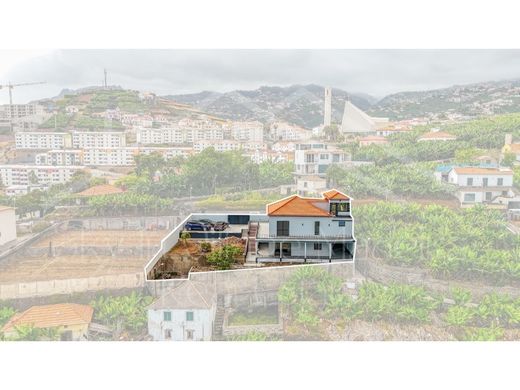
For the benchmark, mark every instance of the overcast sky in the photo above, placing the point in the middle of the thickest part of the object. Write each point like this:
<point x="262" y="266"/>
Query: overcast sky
<point x="375" y="72"/>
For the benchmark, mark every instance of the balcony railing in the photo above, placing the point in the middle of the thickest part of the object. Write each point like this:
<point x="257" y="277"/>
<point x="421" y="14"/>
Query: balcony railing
<point x="319" y="237"/>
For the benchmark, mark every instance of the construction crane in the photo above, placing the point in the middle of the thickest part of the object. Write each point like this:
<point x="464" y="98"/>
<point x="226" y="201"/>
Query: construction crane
<point x="10" y="87"/>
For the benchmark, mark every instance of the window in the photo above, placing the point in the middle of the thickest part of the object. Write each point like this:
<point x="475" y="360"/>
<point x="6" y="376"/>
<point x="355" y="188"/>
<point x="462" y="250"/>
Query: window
<point x="189" y="316"/>
<point x="488" y="195"/>
<point x="335" y="158"/>
<point x="500" y="181"/>
<point x="343" y="207"/>
<point x="317" y="228"/>
<point x="167" y="334"/>
<point x="485" y="182"/>
<point x="189" y="334"/>
<point x="167" y="316"/>
<point x="317" y="246"/>
<point x="341" y="223"/>
<point x="282" y="228"/>
<point x="469" y="181"/>
<point x="324" y="156"/>
<point x="469" y="197"/>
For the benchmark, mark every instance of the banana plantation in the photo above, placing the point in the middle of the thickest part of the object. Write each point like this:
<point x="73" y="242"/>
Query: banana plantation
<point x="470" y="244"/>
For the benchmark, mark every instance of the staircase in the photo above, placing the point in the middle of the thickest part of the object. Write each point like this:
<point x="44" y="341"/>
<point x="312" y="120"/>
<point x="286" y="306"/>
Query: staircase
<point x="218" y="324"/>
<point x="251" y="237"/>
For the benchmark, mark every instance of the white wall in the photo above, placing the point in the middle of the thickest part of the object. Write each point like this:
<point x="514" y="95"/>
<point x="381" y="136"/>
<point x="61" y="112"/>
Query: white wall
<point x="202" y="324"/>
<point x="304" y="226"/>
<point x="7" y="225"/>
<point x="478" y="180"/>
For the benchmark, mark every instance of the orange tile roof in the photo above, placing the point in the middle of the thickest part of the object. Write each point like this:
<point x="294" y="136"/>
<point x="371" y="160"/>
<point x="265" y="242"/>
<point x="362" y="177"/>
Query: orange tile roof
<point x="335" y="194"/>
<point x="437" y="135"/>
<point x="297" y="206"/>
<point x="514" y="148"/>
<point x="50" y="316"/>
<point x="102" y="189"/>
<point x="482" y="171"/>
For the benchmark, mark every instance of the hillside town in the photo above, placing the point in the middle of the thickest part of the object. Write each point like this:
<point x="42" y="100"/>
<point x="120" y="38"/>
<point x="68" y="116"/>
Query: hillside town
<point x="202" y="225"/>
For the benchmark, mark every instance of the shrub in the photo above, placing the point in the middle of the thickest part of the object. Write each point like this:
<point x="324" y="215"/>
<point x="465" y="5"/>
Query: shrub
<point x="223" y="258"/>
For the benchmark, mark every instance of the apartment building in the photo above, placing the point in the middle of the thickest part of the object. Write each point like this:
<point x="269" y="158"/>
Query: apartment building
<point x="60" y="157"/>
<point x="42" y="140"/>
<point x="282" y="131"/>
<point x="167" y="152"/>
<point x="114" y="156"/>
<point x="228" y="145"/>
<point x="177" y="135"/>
<point x="20" y="110"/>
<point x="98" y="139"/>
<point x="24" y="175"/>
<point x="247" y="131"/>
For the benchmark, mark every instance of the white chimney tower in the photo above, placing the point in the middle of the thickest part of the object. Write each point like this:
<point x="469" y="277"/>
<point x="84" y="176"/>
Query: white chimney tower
<point x="327" y="110"/>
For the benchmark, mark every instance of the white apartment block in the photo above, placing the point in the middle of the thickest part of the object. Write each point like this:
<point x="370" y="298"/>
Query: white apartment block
<point x="315" y="158"/>
<point x="177" y="135"/>
<point x="228" y="145"/>
<point x="166" y="152"/>
<point x="20" y="110"/>
<point x="117" y="156"/>
<point x="283" y="146"/>
<point x="60" y="157"/>
<point x="24" y="175"/>
<point x="282" y="131"/>
<point x="98" y="139"/>
<point x="247" y="131"/>
<point x="41" y="140"/>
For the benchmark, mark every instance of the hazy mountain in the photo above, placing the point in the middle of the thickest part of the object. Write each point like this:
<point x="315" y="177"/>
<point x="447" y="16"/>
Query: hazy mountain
<point x="486" y="98"/>
<point x="299" y="104"/>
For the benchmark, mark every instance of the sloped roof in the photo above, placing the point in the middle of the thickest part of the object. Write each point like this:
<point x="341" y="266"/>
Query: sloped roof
<point x="49" y="316"/>
<point x="188" y="295"/>
<point x="374" y="138"/>
<point x="335" y="194"/>
<point x="482" y="171"/>
<point x="297" y="206"/>
<point x="101" y="189"/>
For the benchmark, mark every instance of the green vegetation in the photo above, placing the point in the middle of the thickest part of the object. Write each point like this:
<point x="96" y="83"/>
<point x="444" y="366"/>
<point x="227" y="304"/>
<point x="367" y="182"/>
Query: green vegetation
<point x="415" y="181"/>
<point x="464" y="244"/>
<point x="93" y="123"/>
<point x="123" y="313"/>
<point x="111" y="99"/>
<point x="259" y="316"/>
<point x="254" y="336"/>
<point x="128" y="203"/>
<point x="245" y="200"/>
<point x="6" y="312"/>
<point x="224" y="257"/>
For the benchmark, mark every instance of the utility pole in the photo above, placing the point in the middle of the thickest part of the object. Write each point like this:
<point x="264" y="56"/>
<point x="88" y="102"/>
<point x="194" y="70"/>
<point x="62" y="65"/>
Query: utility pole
<point x="105" y="72"/>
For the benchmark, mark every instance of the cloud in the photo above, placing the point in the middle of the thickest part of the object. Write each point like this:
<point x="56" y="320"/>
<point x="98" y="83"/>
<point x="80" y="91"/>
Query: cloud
<point x="376" y="72"/>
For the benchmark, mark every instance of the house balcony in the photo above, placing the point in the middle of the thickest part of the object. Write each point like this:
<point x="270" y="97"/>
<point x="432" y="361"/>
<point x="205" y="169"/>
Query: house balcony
<point x="309" y="238"/>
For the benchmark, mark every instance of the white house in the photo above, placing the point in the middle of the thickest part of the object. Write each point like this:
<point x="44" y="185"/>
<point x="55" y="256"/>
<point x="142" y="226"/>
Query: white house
<point x="186" y="313"/>
<point x="7" y="225"/>
<point x="481" y="185"/>
<point x="307" y="230"/>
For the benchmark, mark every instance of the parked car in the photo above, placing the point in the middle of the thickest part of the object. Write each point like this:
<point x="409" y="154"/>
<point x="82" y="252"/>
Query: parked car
<point x="197" y="225"/>
<point x="220" y="226"/>
<point x="207" y="222"/>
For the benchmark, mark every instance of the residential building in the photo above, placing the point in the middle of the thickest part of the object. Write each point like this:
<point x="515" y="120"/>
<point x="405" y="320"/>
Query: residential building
<point x="436" y="136"/>
<point x="510" y="147"/>
<point x="315" y="158"/>
<point x="19" y="190"/>
<point x="283" y="131"/>
<point x="247" y="131"/>
<point x="356" y="121"/>
<point x="25" y="175"/>
<point x="71" y="110"/>
<point x="186" y="313"/>
<point x="480" y="185"/>
<point x="392" y="129"/>
<point x="116" y="156"/>
<point x="308" y="229"/>
<point x="284" y="146"/>
<point x="41" y="140"/>
<point x="70" y="320"/>
<point x="7" y="225"/>
<point x="60" y="157"/>
<point x="98" y="139"/>
<point x="167" y="152"/>
<point x="20" y="110"/>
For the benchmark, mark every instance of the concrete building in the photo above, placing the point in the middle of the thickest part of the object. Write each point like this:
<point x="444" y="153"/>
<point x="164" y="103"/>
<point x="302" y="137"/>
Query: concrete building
<point x="283" y="131"/>
<point x="115" y="156"/>
<point x="20" y="110"/>
<point x="42" y="140"/>
<point x="60" y="157"/>
<point x="98" y="139"/>
<point x="356" y="121"/>
<point x="7" y="225"/>
<point x="478" y="185"/>
<point x="186" y="313"/>
<point x="247" y="131"/>
<point x="327" y="109"/>
<point x="25" y="175"/>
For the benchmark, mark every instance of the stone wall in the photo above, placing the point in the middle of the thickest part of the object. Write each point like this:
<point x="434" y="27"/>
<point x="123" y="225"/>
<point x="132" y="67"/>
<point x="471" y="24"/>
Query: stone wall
<point x="378" y="271"/>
